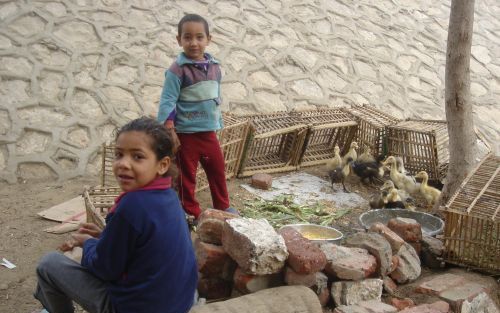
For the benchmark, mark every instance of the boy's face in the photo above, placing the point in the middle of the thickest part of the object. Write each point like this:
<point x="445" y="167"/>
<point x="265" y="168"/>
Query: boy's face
<point x="194" y="40"/>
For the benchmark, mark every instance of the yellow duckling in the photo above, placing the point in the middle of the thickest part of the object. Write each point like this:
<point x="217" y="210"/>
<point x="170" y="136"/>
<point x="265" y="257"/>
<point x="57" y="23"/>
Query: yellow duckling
<point x="366" y="156"/>
<point x="430" y="194"/>
<point x="336" y="161"/>
<point x="401" y="181"/>
<point x="351" y="153"/>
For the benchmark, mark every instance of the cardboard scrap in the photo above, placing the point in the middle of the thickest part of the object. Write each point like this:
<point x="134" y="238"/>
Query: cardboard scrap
<point x="70" y="213"/>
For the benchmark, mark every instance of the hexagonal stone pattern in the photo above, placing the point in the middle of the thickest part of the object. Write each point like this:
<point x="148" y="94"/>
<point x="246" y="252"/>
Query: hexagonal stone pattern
<point x="71" y="71"/>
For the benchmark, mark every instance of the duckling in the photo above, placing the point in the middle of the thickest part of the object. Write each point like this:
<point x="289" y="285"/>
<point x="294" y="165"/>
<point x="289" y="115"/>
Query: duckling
<point x="401" y="181"/>
<point x="389" y="185"/>
<point x="430" y="194"/>
<point x="339" y="174"/>
<point x="378" y="201"/>
<point x="400" y="165"/>
<point x="351" y="153"/>
<point x="366" y="156"/>
<point x="336" y="161"/>
<point x="393" y="201"/>
<point x="369" y="170"/>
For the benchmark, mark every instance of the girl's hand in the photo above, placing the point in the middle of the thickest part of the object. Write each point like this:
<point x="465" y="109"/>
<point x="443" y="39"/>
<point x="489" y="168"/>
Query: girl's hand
<point x="90" y="229"/>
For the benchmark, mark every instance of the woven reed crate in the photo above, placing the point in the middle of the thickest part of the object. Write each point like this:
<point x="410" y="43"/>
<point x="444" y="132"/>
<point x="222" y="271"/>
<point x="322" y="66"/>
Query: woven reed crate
<point x="423" y="145"/>
<point x="232" y="141"/>
<point x="274" y="143"/>
<point x="472" y="228"/>
<point x="326" y="128"/>
<point x="371" y="130"/>
<point x="98" y="200"/>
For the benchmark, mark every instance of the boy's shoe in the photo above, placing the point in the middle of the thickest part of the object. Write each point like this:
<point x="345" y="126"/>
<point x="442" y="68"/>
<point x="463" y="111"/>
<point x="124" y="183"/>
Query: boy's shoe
<point x="232" y="210"/>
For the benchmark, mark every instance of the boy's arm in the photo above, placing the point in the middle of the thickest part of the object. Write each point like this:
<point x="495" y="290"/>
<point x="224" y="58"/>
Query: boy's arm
<point x="168" y="99"/>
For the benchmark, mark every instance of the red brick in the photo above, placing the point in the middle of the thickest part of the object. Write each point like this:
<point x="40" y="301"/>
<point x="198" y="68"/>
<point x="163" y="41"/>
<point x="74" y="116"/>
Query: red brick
<point x="304" y="256"/>
<point x="247" y="283"/>
<point x="394" y="240"/>
<point x="417" y="246"/>
<point x="213" y="260"/>
<point x="214" y="288"/>
<point x="294" y="278"/>
<point x="348" y="263"/>
<point x="440" y="283"/>
<point x="441" y="306"/>
<point x="402" y="304"/>
<point x="262" y="181"/>
<point x="408" y="229"/>
<point x="210" y="225"/>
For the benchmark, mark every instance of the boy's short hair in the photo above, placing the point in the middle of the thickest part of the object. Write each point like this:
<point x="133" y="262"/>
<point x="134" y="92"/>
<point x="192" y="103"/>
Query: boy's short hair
<point x="192" y="18"/>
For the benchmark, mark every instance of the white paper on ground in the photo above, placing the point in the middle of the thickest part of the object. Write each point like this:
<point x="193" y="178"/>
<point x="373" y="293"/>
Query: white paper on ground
<point x="70" y="210"/>
<point x="7" y="264"/>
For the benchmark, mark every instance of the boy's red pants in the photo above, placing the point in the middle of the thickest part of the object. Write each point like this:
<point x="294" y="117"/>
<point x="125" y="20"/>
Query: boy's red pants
<point x="204" y="148"/>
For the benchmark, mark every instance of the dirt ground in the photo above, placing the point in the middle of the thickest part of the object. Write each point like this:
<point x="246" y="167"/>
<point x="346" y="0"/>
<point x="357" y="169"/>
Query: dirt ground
<point x="23" y="241"/>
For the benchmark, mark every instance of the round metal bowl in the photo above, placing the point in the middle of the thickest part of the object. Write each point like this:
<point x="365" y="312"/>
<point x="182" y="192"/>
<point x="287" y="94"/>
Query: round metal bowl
<point x="431" y="225"/>
<point x="317" y="233"/>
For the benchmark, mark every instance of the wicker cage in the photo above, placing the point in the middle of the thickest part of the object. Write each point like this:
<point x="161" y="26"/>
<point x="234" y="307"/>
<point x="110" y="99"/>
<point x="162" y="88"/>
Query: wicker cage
<point x="472" y="230"/>
<point x="372" y="124"/>
<point x="274" y="143"/>
<point x="423" y="145"/>
<point x="98" y="200"/>
<point x="326" y="128"/>
<point x="232" y="141"/>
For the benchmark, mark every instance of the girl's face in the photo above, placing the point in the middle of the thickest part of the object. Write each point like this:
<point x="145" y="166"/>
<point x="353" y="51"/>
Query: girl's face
<point x="136" y="164"/>
<point x="194" y="40"/>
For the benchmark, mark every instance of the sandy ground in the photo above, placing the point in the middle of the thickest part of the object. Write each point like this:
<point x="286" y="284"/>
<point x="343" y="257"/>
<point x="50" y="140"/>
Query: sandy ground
<point x="23" y="241"/>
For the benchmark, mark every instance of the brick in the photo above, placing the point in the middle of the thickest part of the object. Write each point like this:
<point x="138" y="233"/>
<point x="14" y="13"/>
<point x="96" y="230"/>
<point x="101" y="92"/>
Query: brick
<point x="423" y="308"/>
<point x="408" y="268"/>
<point x="293" y="278"/>
<point x="304" y="256"/>
<point x="402" y="304"/>
<point x="456" y="295"/>
<point x="439" y="283"/>
<point x="408" y="229"/>
<point x="376" y="245"/>
<point x="353" y="292"/>
<point x="210" y="225"/>
<point x="213" y="260"/>
<point x="432" y="251"/>
<point x="214" y="287"/>
<point x="394" y="240"/>
<point x="248" y="283"/>
<point x="262" y="181"/>
<point x="348" y="263"/>
<point x="254" y="245"/>
<point x="441" y="306"/>
<point x="389" y="285"/>
<point x="320" y="287"/>
<point x="417" y="246"/>
<point x="375" y="306"/>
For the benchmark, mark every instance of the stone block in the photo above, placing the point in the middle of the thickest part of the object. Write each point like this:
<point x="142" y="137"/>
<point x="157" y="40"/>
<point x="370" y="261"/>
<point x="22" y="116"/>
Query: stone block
<point x="423" y="308"/>
<point x="407" y="228"/>
<point x="303" y="256"/>
<point x="254" y="245"/>
<point x="294" y="278"/>
<point x="394" y="263"/>
<point x="432" y="250"/>
<point x="408" y="268"/>
<point x="441" y="306"/>
<point x="353" y="292"/>
<point x="372" y="306"/>
<point x="214" y="287"/>
<point x="213" y="260"/>
<point x="248" y="283"/>
<point x="389" y="285"/>
<point x="262" y="181"/>
<point x="482" y="303"/>
<point x="394" y="240"/>
<point x="417" y="246"/>
<point x="439" y="283"/>
<point x="402" y="304"/>
<point x="377" y="245"/>
<point x="348" y="263"/>
<point x="320" y="287"/>
<point x="464" y="293"/>
<point x="210" y="225"/>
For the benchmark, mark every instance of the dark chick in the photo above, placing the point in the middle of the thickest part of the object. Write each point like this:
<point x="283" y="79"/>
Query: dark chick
<point x="368" y="170"/>
<point x="339" y="174"/>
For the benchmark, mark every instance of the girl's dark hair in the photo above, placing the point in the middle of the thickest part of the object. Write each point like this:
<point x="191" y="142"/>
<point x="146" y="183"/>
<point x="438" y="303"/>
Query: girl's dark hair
<point x="161" y="140"/>
<point x="192" y="18"/>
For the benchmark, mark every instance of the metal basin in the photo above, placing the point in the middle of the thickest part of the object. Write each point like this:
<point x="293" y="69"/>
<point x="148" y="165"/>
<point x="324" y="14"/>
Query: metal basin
<point x="317" y="233"/>
<point x="431" y="225"/>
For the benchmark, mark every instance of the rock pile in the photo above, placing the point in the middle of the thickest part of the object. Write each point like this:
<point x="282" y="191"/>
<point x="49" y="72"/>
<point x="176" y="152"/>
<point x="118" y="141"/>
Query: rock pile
<point x="238" y="256"/>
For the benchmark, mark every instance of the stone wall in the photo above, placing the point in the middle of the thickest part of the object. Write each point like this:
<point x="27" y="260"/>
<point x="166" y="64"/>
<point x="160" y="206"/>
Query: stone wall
<point x="73" y="70"/>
